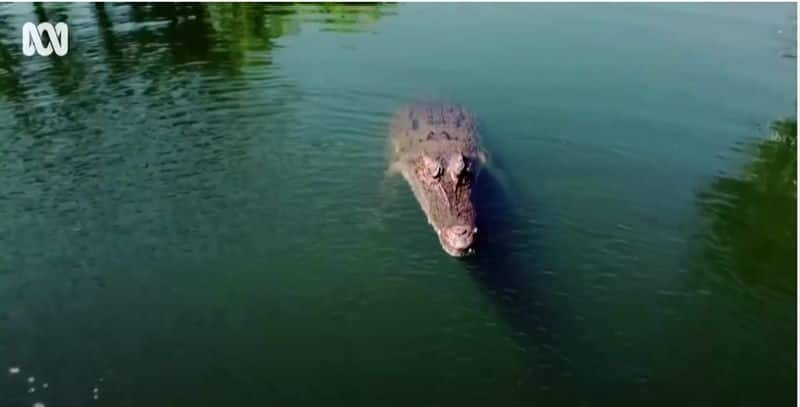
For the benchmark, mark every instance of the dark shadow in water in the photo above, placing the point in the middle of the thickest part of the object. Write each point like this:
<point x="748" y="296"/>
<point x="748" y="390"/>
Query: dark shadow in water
<point x="509" y="267"/>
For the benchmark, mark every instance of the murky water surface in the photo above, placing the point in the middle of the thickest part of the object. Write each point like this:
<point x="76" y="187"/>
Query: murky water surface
<point x="194" y="208"/>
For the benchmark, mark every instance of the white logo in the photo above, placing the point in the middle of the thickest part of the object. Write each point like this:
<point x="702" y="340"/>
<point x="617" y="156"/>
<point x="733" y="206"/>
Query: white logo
<point x="32" y="39"/>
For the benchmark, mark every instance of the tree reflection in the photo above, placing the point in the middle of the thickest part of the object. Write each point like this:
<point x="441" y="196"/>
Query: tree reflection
<point x="345" y="17"/>
<point x="751" y="233"/>
<point x="158" y="39"/>
<point x="142" y="46"/>
<point x="10" y="84"/>
<point x="221" y="35"/>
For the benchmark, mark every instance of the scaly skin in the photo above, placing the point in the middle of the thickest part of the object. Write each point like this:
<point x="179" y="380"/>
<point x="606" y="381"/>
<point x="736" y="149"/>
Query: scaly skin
<point x="435" y="147"/>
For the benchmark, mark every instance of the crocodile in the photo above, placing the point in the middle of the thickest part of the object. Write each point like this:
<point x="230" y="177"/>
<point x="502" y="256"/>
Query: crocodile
<point x="435" y="147"/>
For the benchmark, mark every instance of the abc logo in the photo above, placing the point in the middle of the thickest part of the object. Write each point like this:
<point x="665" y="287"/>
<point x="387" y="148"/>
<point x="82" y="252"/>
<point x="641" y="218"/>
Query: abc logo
<point x="32" y="39"/>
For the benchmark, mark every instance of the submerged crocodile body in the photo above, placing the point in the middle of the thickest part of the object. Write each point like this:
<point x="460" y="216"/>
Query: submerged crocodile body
<point x="435" y="148"/>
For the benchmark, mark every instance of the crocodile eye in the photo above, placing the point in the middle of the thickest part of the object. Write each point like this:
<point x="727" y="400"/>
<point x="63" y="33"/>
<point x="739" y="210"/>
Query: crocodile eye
<point x="432" y="167"/>
<point x="435" y="171"/>
<point x="457" y="167"/>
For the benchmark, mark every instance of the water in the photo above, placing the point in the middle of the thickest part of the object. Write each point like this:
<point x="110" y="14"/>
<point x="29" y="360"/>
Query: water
<point x="195" y="210"/>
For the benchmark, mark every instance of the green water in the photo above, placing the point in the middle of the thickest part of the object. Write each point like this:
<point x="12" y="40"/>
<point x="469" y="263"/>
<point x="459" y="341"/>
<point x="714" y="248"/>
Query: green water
<point x="193" y="208"/>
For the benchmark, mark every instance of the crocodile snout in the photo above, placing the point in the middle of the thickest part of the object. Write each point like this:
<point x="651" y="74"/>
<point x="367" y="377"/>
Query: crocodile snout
<point x="458" y="240"/>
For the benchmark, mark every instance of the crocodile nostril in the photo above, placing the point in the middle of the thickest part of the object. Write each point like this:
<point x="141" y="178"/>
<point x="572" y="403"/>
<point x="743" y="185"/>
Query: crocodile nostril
<point x="458" y="237"/>
<point x="460" y="230"/>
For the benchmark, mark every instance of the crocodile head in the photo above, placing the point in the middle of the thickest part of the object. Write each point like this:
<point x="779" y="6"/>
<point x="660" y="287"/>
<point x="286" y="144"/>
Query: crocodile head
<point x="442" y="183"/>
